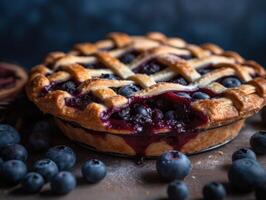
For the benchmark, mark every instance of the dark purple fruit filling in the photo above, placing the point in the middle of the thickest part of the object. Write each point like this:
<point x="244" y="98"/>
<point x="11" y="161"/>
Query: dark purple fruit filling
<point x="110" y="77"/>
<point x="69" y="86"/>
<point x="7" y="77"/>
<point x="128" y="57"/>
<point x="230" y="81"/>
<point x="205" y="70"/>
<point x="169" y="110"/>
<point x="179" y="80"/>
<point x="97" y="65"/>
<point x="150" y="67"/>
<point x="81" y="101"/>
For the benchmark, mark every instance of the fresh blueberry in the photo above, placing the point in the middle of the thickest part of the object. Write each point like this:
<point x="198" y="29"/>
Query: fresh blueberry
<point x="128" y="90"/>
<point x="46" y="167"/>
<point x="170" y="115"/>
<point x="245" y="174"/>
<point x="231" y="82"/>
<point x="63" y="183"/>
<point x="214" y="191"/>
<point x="183" y="94"/>
<point x="173" y="165"/>
<point x="260" y="192"/>
<point x="128" y="57"/>
<point x="200" y="95"/>
<point x="14" y="152"/>
<point x="177" y="190"/>
<point x="39" y="138"/>
<point x="13" y="171"/>
<point x="8" y="135"/>
<point x="258" y="142"/>
<point x="69" y="86"/>
<point x="32" y="182"/>
<point x="109" y="76"/>
<point x="243" y="153"/>
<point x="150" y="68"/>
<point x="93" y="170"/>
<point x="142" y="114"/>
<point x="63" y="156"/>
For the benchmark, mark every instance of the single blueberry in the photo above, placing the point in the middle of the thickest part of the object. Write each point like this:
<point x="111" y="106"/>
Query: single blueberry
<point x="128" y="90"/>
<point x="93" y="170"/>
<point x="63" y="156"/>
<point x="245" y="174"/>
<point x="260" y="192"/>
<point x="14" y="152"/>
<point x="214" y="191"/>
<point x="200" y="95"/>
<point x="142" y="114"/>
<point x="183" y="94"/>
<point x="177" y="190"/>
<point x="173" y="165"/>
<point x="32" y="182"/>
<point x="231" y="82"/>
<point x="63" y="183"/>
<point x="258" y="142"/>
<point x="8" y="135"/>
<point x="243" y="153"/>
<point x="109" y="76"/>
<point x="13" y="171"/>
<point x="39" y="138"/>
<point x="46" y="167"/>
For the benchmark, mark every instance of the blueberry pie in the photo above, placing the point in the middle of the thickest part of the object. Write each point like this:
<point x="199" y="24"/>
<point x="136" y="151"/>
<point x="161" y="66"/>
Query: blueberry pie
<point x="12" y="80"/>
<point x="143" y="95"/>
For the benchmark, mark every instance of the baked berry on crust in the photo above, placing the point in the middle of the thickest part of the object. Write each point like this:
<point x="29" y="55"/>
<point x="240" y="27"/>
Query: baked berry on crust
<point x="148" y="87"/>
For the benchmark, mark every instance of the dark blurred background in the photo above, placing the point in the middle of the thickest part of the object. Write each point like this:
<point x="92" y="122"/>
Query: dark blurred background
<point x="31" y="28"/>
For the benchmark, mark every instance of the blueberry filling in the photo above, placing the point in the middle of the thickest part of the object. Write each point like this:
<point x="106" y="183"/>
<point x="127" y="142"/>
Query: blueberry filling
<point x="97" y="65"/>
<point x="205" y="70"/>
<point x="179" y="80"/>
<point x="150" y="67"/>
<point x="171" y="110"/>
<point x="109" y="76"/>
<point x="128" y="57"/>
<point x="81" y="101"/>
<point x="69" y="86"/>
<point x="7" y="77"/>
<point x="230" y="82"/>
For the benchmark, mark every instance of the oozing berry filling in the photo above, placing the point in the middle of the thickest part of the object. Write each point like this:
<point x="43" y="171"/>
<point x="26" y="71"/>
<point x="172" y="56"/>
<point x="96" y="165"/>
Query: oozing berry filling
<point x="170" y="110"/>
<point x="81" y="101"/>
<point x="128" y="57"/>
<point x="150" y="67"/>
<point x="7" y="77"/>
<point x="69" y="86"/>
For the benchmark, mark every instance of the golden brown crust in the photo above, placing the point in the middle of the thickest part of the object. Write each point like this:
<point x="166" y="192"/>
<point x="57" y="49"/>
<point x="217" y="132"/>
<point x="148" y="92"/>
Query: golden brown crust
<point x="117" y="144"/>
<point x="229" y="105"/>
<point x="21" y="80"/>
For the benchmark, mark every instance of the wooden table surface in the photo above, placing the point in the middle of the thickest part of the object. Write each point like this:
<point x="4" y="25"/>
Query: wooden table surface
<point x="126" y="180"/>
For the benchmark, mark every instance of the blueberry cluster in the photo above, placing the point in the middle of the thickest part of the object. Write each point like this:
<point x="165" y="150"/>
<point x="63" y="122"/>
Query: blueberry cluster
<point x="245" y="173"/>
<point x="54" y="168"/>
